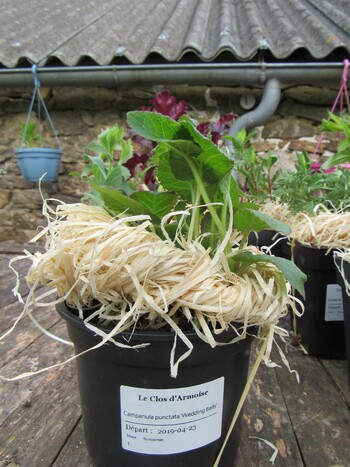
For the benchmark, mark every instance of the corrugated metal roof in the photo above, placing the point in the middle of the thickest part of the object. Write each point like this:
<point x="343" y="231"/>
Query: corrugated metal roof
<point x="104" y="32"/>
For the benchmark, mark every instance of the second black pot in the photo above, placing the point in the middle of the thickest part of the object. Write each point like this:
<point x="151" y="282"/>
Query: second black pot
<point x="321" y="328"/>
<point x="344" y="267"/>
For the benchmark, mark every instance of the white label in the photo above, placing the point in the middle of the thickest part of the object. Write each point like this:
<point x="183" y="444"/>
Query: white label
<point x="169" y="421"/>
<point x="334" y="303"/>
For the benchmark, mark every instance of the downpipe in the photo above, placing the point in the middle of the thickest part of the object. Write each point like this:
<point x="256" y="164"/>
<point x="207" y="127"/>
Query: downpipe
<point x="265" y="110"/>
<point x="267" y="107"/>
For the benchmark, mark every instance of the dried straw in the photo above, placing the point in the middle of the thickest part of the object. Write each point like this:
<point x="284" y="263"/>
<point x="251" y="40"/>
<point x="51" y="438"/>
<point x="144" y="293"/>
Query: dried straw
<point x="324" y="228"/>
<point x="142" y="281"/>
<point x="118" y="262"/>
<point x="277" y="210"/>
<point x="340" y="257"/>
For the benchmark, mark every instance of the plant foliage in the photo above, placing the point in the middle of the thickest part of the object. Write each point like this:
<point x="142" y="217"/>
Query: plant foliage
<point x="29" y="135"/>
<point x="338" y="124"/>
<point x="193" y="173"/>
<point x="259" y="175"/>
<point x="304" y="189"/>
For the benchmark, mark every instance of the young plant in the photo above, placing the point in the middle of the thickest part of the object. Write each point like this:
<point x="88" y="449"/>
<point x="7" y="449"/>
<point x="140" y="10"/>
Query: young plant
<point x="193" y="173"/>
<point x="338" y="124"/>
<point x="106" y="168"/>
<point x="257" y="172"/>
<point x="305" y="189"/>
<point x="29" y="135"/>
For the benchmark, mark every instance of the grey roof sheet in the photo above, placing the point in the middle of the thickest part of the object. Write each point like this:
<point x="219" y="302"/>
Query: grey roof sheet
<point x="71" y="32"/>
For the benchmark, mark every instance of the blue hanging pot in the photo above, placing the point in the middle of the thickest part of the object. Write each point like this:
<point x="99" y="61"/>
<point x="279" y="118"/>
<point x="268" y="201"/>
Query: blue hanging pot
<point x="36" y="163"/>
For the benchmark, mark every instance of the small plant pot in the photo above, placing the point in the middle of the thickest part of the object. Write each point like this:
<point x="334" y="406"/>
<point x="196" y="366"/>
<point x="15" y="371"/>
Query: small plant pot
<point x="345" y="268"/>
<point x="35" y="162"/>
<point x="136" y="414"/>
<point x="321" y="328"/>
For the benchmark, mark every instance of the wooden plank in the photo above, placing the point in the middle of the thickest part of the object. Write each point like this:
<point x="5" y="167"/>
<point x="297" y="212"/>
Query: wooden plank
<point x="266" y="416"/>
<point x="74" y="451"/>
<point x="8" y="315"/>
<point x="8" y="280"/>
<point x="338" y="370"/>
<point x="318" y="412"/>
<point x="34" y="434"/>
<point x="17" y="249"/>
<point x="26" y="331"/>
<point x="10" y="312"/>
<point x="42" y="353"/>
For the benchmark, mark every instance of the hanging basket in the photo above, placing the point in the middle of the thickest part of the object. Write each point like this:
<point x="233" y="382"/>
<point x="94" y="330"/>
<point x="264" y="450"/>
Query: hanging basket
<point x="38" y="163"/>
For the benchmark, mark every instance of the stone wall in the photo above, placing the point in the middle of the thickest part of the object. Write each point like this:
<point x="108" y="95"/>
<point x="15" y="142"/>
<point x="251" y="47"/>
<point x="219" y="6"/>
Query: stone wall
<point x="79" y="114"/>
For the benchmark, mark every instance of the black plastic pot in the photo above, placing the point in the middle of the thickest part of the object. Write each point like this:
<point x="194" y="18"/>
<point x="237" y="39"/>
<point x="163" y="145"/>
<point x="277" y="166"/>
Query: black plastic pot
<point x="345" y="268"/>
<point x="136" y="414"/>
<point x="268" y="238"/>
<point x="320" y="329"/>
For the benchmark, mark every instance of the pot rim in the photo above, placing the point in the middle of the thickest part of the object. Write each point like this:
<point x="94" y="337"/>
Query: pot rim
<point x="66" y="312"/>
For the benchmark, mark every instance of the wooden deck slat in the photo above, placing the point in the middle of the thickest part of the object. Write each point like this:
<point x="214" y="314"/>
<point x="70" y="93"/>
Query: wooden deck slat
<point x="338" y="370"/>
<point x="318" y="412"/>
<point x="74" y="451"/>
<point x="42" y="353"/>
<point x="25" y="332"/>
<point x="34" y="435"/>
<point x="266" y="417"/>
<point x="8" y="280"/>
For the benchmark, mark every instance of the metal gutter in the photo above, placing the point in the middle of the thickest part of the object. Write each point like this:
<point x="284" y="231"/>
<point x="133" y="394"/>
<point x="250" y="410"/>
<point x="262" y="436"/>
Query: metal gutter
<point x="122" y="76"/>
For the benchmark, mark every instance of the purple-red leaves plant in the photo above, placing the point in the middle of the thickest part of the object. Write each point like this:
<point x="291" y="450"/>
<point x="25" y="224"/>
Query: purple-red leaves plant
<point x="166" y="104"/>
<point x="217" y="129"/>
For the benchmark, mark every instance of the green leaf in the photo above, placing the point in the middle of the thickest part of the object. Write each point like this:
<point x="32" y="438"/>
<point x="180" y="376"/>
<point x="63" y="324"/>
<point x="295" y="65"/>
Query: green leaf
<point x="156" y="127"/>
<point x="248" y="220"/>
<point x="168" y="179"/>
<point x="99" y="176"/>
<point x="96" y="146"/>
<point x="234" y="192"/>
<point x="158" y="204"/>
<point x="271" y="222"/>
<point x="290" y="271"/>
<point x="116" y="176"/>
<point x="203" y="142"/>
<point x="127" y="152"/>
<point x="119" y="203"/>
<point x="344" y="146"/>
<point x="109" y="138"/>
<point x="215" y="163"/>
<point x="179" y="167"/>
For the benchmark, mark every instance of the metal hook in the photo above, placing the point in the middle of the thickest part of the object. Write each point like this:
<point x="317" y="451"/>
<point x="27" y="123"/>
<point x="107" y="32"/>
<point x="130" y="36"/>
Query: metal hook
<point x="36" y="77"/>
